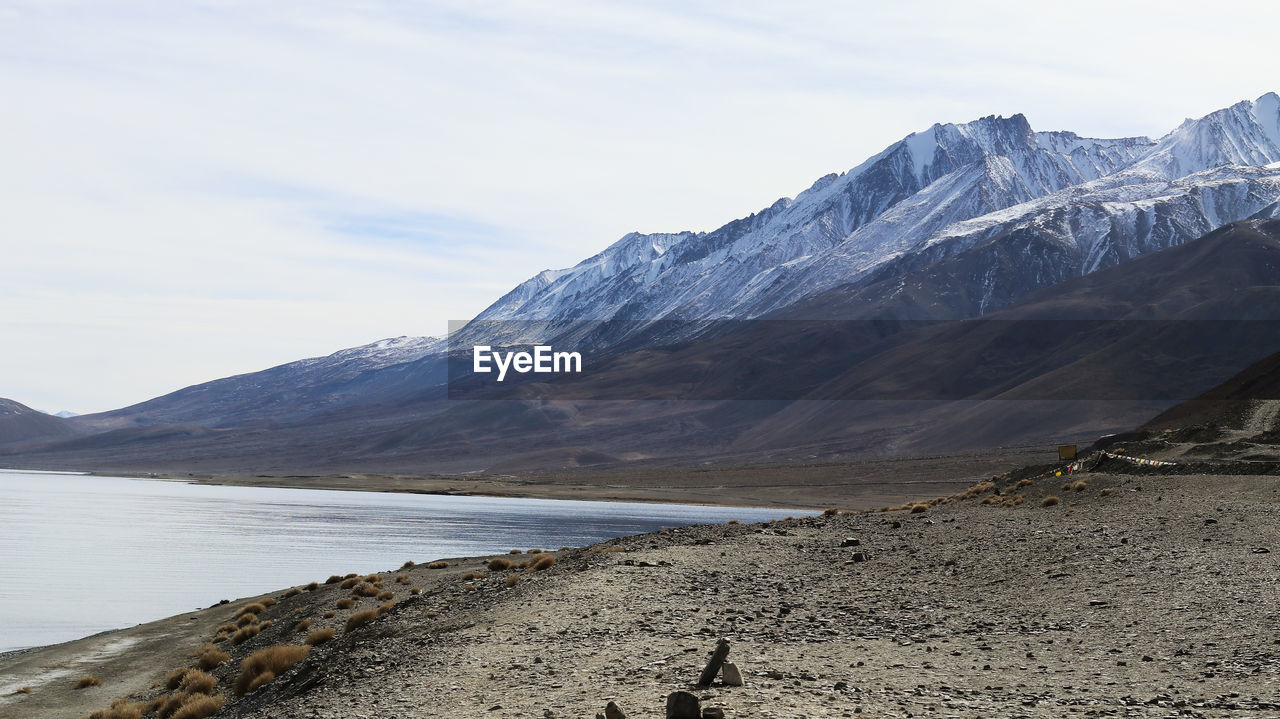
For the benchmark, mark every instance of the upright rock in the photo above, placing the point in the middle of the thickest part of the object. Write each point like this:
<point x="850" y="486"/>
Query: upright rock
<point x="683" y="705"/>
<point x="713" y="665"/>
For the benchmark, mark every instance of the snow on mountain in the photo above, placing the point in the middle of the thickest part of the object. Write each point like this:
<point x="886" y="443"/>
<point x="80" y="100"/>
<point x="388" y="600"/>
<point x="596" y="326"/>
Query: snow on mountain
<point x="934" y="194"/>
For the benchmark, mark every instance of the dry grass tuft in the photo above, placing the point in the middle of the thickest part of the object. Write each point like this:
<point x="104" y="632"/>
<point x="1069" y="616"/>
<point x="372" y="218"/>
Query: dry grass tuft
<point x="245" y="634"/>
<point x="546" y="561"/>
<point x="919" y="508"/>
<point x="1023" y="483"/>
<point x="227" y="628"/>
<point x="333" y="579"/>
<point x="384" y="608"/>
<point x="1049" y="501"/>
<point x="292" y="593"/>
<point x="330" y="614"/>
<point x="173" y="679"/>
<point x="402" y="579"/>
<point x="346" y="603"/>
<point x="1107" y="492"/>
<point x="512" y="580"/>
<point x="534" y="551"/>
<point x="472" y="575"/>
<point x="255" y="608"/>
<point x="359" y="619"/>
<point x="319" y="636"/>
<point x="830" y="512"/>
<point x="22" y="690"/>
<point x="352" y="575"/>
<point x="198" y="682"/>
<point x="272" y="660"/>
<point x="210" y="656"/>
<point x="265" y="626"/>
<point x="245" y="620"/>
<point x="349" y="583"/>
<point x="302" y="626"/>
<point x="373" y="579"/>
<point x="731" y="521"/>
<point x="199" y="707"/>
<point x="407" y="564"/>
<point x="86" y="682"/>
<point x="498" y="564"/>
<point x="516" y="551"/>
<point x="269" y="602"/>
<point x="438" y="565"/>
<point x="384" y="596"/>
<point x="311" y="587"/>
<point x="365" y="589"/>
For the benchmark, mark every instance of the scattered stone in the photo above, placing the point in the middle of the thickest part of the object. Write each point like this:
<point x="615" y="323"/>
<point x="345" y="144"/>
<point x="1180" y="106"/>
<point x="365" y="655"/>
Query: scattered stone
<point x="859" y="556"/>
<point x="730" y="674"/>
<point x="713" y="713"/>
<point x="613" y="711"/>
<point x="851" y="542"/>
<point x="1261" y="550"/>
<point x="713" y="665"/>
<point x="683" y="705"/>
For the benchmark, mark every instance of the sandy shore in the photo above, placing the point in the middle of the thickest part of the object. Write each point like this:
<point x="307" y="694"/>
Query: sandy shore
<point x="860" y="484"/>
<point x="1134" y="596"/>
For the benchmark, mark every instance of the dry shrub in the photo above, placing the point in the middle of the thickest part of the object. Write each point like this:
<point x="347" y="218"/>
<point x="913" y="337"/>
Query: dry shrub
<point x="1107" y="492"/>
<point x="437" y="565"/>
<point x="245" y="634"/>
<point x="498" y="564"/>
<point x="731" y="521"/>
<point x="512" y="580"/>
<point x="1080" y="485"/>
<point x="534" y="551"/>
<point x="171" y="704"/>
<point x="330" y="614"/>
<point x="346" y="603"/>
<point x="472" y="575"/>
<point x="255" y="608"/>
<point x="121" y="709"/>
<point x="86" y="682"/>
<point x="246" y="619"/>
<point x="352" y="575"/>
<point x="292" y="593"/>
<point x="359" y="619"/>
<point x="311" y="587"/>
<point x="415" y="590"/>
<point x="407" y="564"/>
<point x="365" y="589"/>
<point x="302" y="626"/>
<point x="174" y="678"/>
<point x="349" y="583"/>
<point x="264" y="626"/>
<point x="402" y="579"/>
<point x="384" y="596"/>
<point x="227" y="628"/>
<point x="989" y="500"/>
<point x="319" y="636"/>
<point x="386" y="607"/>
<point x="199" y="707"/>
<point x="22" y="690"/>
<point x="544" y="562"/>
<point x="210" y="657"/>
<point x="198" y="682"/>
<point x="269" y="602"/>
<point x="977" y="489"/>
<point x="373" y="579"/>
<point x="830" y="512"/>
<point x="516" y="551"/>
<point x="1049" y="501"/>
<point x="1023" y="483"/>
<point x="272" y="660"/>
<point x="919" y="508"/>
<point x="333" y="579"/>
<point x="468" y="587"/>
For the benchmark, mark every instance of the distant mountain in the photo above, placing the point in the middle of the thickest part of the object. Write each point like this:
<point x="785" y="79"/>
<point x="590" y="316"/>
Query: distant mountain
<point x="21" y="425"/>
<point x="65" y="414"/>
<point x="1064" y="205"/>
<point x="958" y="221"/>
<point x="382" y="371"/>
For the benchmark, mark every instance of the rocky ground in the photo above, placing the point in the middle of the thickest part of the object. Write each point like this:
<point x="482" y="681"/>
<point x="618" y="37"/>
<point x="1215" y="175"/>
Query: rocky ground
<point x="1136" y="594"/>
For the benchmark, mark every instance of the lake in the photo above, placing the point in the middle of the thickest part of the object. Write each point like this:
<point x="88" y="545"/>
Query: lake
<point x="81" y="554"/>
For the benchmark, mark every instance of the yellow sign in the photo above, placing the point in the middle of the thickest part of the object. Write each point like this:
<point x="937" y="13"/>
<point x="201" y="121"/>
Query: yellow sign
<point x="1066" y="452"/>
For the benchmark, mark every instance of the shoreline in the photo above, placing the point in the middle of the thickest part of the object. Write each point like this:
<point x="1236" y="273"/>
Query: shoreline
<point x="846" y="484"/>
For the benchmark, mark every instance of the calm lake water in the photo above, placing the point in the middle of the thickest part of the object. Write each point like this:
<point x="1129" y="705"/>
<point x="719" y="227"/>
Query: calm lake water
<point x="79" y="555"/>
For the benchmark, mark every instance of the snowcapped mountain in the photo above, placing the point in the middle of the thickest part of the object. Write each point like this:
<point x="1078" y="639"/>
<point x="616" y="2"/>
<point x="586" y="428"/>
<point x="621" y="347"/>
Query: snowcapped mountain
<point x="949" y="190"/>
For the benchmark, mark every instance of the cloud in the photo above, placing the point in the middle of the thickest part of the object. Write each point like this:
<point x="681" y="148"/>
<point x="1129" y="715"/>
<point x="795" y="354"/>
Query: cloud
<point x="196" y="189"/>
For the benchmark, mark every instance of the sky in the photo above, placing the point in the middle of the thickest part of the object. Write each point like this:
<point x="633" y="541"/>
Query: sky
<point x="191" y="190"/>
